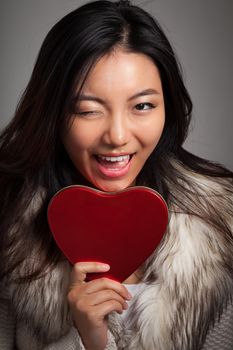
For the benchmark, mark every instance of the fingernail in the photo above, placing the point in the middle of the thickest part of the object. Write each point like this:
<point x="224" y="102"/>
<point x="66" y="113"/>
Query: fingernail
<point x="129" y="296"/>
<point x="104" y="267"/>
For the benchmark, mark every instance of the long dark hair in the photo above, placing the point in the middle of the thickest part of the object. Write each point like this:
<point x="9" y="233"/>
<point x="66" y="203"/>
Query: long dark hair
<point x="33" y="162"/>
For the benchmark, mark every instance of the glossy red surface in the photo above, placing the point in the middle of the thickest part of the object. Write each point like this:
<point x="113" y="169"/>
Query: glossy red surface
<point x="121" y="229"/>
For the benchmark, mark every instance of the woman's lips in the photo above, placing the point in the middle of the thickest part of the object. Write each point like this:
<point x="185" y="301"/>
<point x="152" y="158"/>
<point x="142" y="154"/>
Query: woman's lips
<point x="114" y="166"/>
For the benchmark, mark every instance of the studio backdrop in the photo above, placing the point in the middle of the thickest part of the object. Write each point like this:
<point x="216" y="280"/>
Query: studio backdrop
<point x="201" y="32"/>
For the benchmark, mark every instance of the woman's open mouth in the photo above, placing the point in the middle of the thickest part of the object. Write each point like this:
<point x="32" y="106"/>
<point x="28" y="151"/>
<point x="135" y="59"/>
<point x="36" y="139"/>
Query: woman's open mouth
<point x="114" y="166"/>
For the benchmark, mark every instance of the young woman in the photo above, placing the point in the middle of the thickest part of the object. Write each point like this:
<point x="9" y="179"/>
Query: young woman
<point x="106" y="107"/>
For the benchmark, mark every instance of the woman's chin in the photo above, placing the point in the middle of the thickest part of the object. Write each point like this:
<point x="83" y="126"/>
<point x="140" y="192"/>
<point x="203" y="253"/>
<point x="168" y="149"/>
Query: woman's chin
<point x="112" y="186"/>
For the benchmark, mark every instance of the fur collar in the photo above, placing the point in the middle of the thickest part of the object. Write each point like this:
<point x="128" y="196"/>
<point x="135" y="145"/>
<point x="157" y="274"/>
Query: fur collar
<point x="192" y="283"/>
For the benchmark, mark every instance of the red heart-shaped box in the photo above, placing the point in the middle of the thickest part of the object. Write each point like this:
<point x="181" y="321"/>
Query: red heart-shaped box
<point x="121" y="229"/>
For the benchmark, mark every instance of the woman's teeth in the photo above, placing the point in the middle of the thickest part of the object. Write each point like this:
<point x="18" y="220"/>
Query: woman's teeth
<point x="124" y="158"/>
<point x="115" y="166"/>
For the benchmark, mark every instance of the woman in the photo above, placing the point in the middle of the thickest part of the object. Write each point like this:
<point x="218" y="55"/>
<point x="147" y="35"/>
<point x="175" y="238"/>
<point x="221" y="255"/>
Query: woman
<point x="106" y="107"/>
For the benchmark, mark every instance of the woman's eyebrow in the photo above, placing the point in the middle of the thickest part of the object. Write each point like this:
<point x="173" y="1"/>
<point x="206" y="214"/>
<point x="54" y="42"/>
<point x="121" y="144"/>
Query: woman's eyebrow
<point x="91" y="98"/>
<point x="146" y="92"/>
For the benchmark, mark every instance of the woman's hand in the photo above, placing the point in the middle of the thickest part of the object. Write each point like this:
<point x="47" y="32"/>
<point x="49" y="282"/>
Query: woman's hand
<point x="91" y="302"/>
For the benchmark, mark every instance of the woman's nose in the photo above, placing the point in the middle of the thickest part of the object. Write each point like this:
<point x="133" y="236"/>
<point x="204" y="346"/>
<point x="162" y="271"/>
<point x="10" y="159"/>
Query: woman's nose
<point x="117" y="132"/>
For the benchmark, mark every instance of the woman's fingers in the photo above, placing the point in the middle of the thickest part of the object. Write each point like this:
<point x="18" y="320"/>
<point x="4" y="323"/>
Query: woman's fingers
<point x="102" y="310"/>
<point x="90" y="302"/>
<point x="104" y="296"/>
<point x="81" y="269"/>
<point x="106" y="283"/>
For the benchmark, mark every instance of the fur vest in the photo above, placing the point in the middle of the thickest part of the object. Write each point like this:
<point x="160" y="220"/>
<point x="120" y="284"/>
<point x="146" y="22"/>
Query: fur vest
<point x="192" y="284"/>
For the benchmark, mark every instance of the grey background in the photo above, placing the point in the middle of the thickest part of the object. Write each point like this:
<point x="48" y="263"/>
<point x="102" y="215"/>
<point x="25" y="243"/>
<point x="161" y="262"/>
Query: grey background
<point x="201" y="32"/>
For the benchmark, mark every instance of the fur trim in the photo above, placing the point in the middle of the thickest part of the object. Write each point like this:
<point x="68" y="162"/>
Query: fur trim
<point x="192" y="283"/>
<point x="42" y="304"/>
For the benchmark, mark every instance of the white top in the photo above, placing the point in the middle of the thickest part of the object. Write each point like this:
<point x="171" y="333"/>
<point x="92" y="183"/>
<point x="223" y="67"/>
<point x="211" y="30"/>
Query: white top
<point x="134" y="290"/>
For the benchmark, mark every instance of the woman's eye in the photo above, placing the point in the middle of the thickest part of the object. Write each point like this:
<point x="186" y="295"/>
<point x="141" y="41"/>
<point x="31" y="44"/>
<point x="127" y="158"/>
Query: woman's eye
<point x="87" y="113"/>
<point x="144" y="106"/>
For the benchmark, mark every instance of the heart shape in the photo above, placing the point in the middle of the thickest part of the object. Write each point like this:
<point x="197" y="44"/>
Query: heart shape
<point x="121" y="229"/>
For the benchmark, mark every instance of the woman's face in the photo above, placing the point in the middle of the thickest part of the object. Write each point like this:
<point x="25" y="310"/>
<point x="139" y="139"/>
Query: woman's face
<point x="118" y="120"/>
